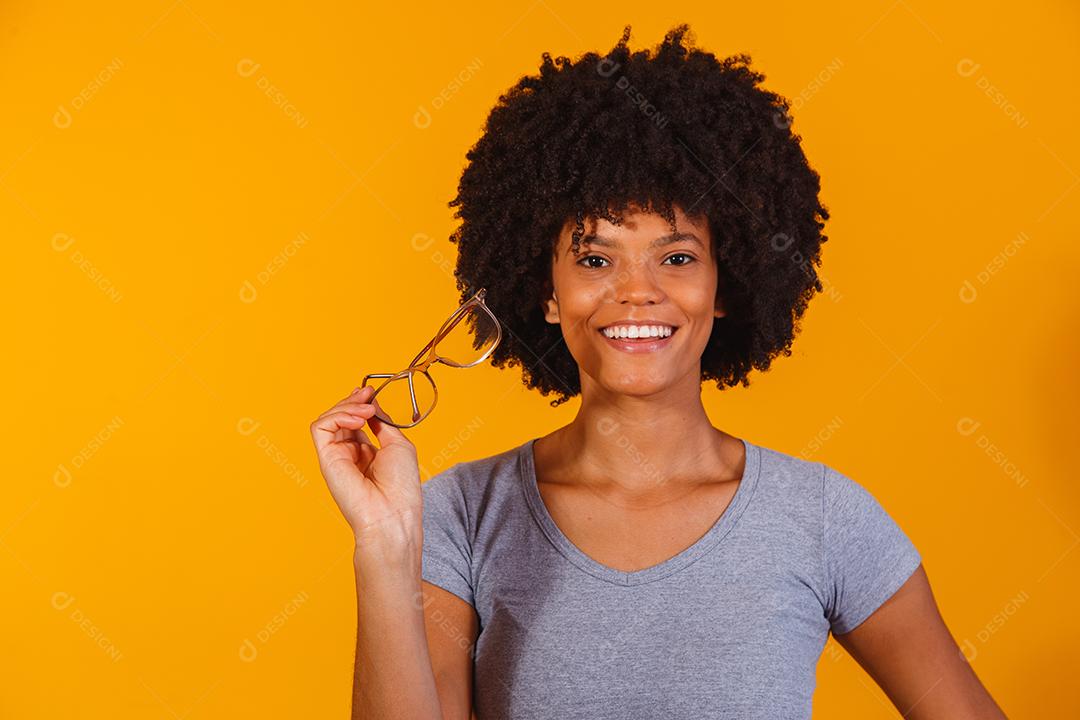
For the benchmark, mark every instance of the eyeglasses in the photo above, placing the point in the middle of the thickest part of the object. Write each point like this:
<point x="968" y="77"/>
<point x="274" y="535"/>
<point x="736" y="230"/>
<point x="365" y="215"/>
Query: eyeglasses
<point x="404" y="399"/>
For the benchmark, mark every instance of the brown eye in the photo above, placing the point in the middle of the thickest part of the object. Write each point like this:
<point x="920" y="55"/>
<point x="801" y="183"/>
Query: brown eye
<point x="591" y="257"/>
<point x="689" y="258"/>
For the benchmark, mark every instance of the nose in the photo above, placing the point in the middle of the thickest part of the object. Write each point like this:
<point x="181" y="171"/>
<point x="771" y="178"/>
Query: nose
<point x="636" y="285"/>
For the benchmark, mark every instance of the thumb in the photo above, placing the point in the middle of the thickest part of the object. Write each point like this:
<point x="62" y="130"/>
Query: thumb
<point x="386" y="433"/>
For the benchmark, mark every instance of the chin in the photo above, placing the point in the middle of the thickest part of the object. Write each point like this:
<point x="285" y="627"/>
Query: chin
<point x="636" y="384"/>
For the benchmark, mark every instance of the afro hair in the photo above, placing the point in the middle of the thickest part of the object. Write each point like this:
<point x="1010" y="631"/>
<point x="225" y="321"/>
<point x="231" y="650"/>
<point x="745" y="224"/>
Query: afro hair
<point x="595" y="137"/>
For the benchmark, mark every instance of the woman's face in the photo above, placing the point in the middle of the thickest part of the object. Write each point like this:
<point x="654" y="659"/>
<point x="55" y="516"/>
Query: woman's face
<point x="637" y="273"/>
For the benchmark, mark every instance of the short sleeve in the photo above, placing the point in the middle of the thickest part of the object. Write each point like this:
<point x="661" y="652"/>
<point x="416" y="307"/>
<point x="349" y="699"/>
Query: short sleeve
<point x="447" y="552"/>
<point x="867" y="557"/>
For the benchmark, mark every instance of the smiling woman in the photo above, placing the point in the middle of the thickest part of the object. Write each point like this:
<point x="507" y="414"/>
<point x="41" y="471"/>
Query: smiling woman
<point x="568" y="149"/>
<point x="638" y="561"/>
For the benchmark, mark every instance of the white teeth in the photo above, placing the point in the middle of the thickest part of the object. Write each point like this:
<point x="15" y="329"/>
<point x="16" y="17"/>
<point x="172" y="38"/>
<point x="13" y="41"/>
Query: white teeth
<point x="638" y="331"/>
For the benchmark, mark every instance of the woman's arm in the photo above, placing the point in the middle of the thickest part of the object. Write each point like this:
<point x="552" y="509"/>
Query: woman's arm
<point x="393" y="676"/>
<point x="452" y="628"/>
<point x="906" y="647"/>
<point x="378" y="491"/>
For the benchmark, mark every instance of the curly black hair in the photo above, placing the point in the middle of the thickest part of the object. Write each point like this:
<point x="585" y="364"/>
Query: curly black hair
<point x="590" y="139"/>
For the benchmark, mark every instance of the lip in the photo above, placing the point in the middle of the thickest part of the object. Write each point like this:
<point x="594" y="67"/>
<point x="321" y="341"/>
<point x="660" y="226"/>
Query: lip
<point x="631" y="345"/>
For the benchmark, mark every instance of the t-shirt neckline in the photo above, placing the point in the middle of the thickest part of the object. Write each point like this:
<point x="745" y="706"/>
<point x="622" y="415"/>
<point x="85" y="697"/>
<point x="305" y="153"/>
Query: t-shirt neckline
<point x="712" y="537"/>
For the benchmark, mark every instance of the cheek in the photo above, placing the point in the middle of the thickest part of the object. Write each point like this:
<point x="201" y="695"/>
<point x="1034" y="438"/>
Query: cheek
<point x="702" y="284"/>
<point x="577" y="329"/>
<point x="694" y="302"/>
<point x="579" y="304"/>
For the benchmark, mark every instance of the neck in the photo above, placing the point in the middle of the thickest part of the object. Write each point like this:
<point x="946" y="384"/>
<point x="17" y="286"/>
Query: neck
<point x="644" y="447"/>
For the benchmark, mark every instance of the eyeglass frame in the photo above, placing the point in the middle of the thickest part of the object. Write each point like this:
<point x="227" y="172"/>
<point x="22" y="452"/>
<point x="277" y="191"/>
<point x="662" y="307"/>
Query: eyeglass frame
<point x="432" y="357"/>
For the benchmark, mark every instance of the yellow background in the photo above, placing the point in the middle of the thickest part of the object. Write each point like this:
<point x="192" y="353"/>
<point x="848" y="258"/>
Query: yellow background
<point x="218" y="219"/>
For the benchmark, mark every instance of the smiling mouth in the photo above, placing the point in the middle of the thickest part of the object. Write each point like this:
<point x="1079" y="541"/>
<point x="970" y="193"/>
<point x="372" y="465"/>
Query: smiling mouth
<point x="644" y="343"/>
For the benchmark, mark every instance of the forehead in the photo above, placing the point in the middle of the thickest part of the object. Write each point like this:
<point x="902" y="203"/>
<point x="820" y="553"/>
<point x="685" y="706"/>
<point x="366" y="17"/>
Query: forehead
<point x="657" y="242"/>
<point x="640" y="227"/>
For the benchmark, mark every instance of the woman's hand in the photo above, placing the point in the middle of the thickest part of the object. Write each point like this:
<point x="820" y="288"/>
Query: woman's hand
<point x="376" y="489"/>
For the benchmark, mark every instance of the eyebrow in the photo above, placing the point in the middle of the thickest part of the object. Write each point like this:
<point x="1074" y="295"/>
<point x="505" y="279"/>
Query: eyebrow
<point x="658" y="242"/>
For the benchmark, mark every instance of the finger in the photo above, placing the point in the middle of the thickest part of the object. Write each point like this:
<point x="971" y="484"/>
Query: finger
<point x="356" y="408"/>
<point x="352" y="406"/>
<point x="355" y="405"/>
<point x="361" y="437"/>
<point x="326" y="427"/>
<point x="358" y="442"/>
<point x="352" y="402"/>
<point x="359" y="393"/>
<point x="347" y="419"/>
<point x="386" y="433"/>
<point x="365" y="455"/>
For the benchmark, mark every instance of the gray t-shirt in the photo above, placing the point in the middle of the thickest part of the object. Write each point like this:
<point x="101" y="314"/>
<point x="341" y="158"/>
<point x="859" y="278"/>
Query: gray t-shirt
<point x="731" y="627"/>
